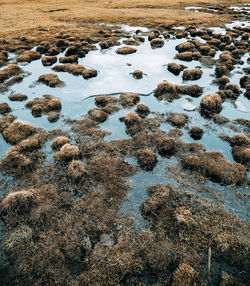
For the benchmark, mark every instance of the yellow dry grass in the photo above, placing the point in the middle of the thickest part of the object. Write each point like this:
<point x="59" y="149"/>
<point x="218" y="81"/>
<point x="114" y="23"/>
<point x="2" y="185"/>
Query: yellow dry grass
<point x="18" y="16"/>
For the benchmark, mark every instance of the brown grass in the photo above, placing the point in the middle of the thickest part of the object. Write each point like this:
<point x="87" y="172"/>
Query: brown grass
<point x="56" y="14"/>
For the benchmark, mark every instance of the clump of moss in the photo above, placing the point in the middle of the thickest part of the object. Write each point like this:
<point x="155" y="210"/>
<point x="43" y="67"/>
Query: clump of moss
<point x="67" y="153"/>
<point x="18" y="202"/>
<point x="192" y="90"/>
<point x="147" y="158"/>
<point x="185" y="56"/>
<point x="51" y="79"/>
<point x="129" y="99"/>
<point x="184" y="275"/>
<point x="69" y="60"/>
<point x="211" y="103"/>
<point x="214" y="166"/>
<point x="132" y="119"/>
<point x="18" y="131"/>
<point x="74" y="69"/>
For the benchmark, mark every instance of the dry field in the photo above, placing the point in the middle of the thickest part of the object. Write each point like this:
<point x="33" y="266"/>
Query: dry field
<point x="20" y="16"/>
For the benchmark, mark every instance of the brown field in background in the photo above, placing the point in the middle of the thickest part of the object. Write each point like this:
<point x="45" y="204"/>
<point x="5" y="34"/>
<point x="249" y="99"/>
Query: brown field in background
<point x="18" y="17"/>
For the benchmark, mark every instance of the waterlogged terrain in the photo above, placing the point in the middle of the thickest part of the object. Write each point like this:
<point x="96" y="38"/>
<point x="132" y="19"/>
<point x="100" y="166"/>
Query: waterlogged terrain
<point x="125" y="157"/>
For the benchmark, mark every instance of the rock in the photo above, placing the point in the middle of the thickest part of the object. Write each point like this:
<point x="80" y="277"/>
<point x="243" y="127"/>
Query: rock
<point x="157" y="43"/>
<point x="129" y="99"/>
<point x="97" y="115"/>
<point x="175" y="68"/>
<point x="59" y="142"/>
<point x="147" y="158"/>
<point x="126" y="50"/>
<point x="49" y="60"/>
<point x="4" y="108"/>
<point x="177" y="119"/>
<point x="192" y="74"/>
<point x="215" y="167"/>
<point x="51" y="80"/>
<point x="196" y="132"/>
<point x="18" y="97"/>
<point x="137" y="74"/>
<point x="211" y="103"/>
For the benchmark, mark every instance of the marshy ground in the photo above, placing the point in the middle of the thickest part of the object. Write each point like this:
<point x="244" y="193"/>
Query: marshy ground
<point x="124" y="143"/>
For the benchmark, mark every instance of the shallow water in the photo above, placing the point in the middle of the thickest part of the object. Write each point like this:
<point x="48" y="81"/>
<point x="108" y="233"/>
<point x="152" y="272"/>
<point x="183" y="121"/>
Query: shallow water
<point x="114" y="77"/>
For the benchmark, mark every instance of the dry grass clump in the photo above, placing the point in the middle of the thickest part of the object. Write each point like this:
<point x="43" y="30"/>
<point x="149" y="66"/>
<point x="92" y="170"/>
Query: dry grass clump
<point x="241" y="154"/>
<point x="166" y="146"/>
<point x="131" y="42"/>
<point x="137" y="74"/>
<point x="15" y="161"/>
<point x="67" y="153"/>
<point x="9" y="71"/>
<point x="51" y="79"/>
<point x="69" y="60"/>
<point x="142" y="109"/>
<point x="45" y="105"/>
<point x="49" y="60"/>
<point x="129" y="99"/>
<point x="17" y="239"/>
<point x="192" y="74"/>
<point x="76" y="170"/>
<point x="192" y="90"/>
<point x="98" y="115"/>
<point x="193" y="226"/>
<point x="184" y="275"/>
<point x="185" y="56"/>
<point x="18" y="97"/>
<point x="18" y="202"/>
<point x="18" y="131"/>
<point x="59" y="142"/>
<point x="240" y="140"/>
<point x="196" y="132"/>
<point x="177" y="119"/>
<point x="166" y="91"/>
<point x="4" y="108"/>
<point x="221" y="69"/>
<point x="175" y="68"/>
<point x="188" y="46"/>
<point x="214" y="166"/>
<point x="234" y="88"/>
<point x="157" y="43"/>
<point x="74" y="69"/>
<point x="132" y="119"/>
<point x="29" y="56"/>
<point x="104" y="100"/>
<point x="126" y="50"/>
<point x="147" y="158"/>
<point x="211" y="103"/>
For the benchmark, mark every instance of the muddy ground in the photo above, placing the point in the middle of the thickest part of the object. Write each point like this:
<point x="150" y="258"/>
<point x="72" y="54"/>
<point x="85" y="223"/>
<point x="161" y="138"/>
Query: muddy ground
<point x="70" y="170"/>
